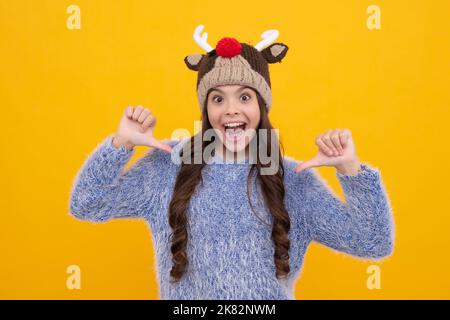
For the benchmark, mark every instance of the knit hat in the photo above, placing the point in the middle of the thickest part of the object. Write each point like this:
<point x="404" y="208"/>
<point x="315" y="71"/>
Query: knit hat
<point x="234" y="62"/>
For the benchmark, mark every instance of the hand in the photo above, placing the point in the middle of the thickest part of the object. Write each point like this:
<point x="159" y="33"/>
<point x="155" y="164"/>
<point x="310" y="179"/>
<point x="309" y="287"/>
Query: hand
<point x="336" y="148"/>
<point x="136" y="128"/>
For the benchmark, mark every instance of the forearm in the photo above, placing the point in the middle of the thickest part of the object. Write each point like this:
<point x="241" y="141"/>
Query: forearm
<point x="93" y="190"/>
<point x="118" y="142"/>
<point x="362" y="225"/>
<point x="371" y="215"/>
<point x="350" y="169"/>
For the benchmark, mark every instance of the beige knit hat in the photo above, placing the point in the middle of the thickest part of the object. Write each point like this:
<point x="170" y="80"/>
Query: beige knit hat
<point x="232" y="62"/>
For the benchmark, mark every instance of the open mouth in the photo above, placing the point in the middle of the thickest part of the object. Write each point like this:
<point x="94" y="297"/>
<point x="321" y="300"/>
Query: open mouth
<point x="234" y="131"/>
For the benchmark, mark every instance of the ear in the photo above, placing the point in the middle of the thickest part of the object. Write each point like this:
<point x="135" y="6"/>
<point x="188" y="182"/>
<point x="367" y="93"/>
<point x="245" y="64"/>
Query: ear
<point x="193" y="61"/>
<point x="275" y="52"/>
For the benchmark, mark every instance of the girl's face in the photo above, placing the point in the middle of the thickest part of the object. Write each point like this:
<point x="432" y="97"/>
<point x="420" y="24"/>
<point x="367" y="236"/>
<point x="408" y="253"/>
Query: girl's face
<point x="234" y="114"/>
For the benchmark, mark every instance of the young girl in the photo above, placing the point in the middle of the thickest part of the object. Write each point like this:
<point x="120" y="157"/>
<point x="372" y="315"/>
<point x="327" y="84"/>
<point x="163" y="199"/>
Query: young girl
<point x="223" y="229"/>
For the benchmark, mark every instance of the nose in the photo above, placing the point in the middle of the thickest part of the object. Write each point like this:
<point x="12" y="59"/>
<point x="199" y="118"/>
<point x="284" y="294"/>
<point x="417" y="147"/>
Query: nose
<point x="232" y="108"/>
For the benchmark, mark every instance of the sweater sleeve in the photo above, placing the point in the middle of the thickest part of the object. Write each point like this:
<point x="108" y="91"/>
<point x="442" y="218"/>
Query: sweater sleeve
<point x="102" y="190"/>
<point x="362" y="225"/>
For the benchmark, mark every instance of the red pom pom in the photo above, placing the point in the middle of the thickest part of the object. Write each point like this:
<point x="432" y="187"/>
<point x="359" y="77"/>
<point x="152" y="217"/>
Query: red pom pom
<point x="228" y="47"/>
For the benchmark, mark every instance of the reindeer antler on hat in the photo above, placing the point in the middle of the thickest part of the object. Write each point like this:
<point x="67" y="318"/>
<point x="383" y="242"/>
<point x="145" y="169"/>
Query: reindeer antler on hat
<point x="233" y="62"/>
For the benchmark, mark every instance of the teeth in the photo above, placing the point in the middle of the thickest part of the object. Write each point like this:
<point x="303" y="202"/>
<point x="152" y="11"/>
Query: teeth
<point x="233" y="124"/>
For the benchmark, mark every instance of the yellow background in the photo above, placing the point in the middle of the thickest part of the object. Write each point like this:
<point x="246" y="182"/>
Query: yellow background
<point x="63" y="91"/>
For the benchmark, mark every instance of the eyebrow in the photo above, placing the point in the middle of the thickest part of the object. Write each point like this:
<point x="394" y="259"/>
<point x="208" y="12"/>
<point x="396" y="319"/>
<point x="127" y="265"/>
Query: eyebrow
<point x="241" y="89"/>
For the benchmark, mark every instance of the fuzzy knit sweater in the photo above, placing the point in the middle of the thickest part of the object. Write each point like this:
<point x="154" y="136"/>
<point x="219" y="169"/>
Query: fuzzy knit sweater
<point x="230" y="251"/>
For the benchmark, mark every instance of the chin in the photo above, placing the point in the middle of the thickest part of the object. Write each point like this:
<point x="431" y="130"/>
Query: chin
<point x="235" y="147"/>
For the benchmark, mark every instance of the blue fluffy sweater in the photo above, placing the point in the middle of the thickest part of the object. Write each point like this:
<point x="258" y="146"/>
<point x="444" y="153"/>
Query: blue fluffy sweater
<point x="230" y="251"/>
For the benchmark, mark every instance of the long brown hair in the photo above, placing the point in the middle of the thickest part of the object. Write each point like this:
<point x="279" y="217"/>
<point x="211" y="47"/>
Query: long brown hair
<point x="272" y="186"/>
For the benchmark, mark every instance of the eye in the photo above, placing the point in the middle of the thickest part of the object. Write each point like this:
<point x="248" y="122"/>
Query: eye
<point x="246" y="95"/>
<point x="214" y="99"/>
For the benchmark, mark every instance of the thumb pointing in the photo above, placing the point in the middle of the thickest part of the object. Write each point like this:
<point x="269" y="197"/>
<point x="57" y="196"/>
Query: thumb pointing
<point x="159" y="145"/>
<point x="305" y="165"/>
